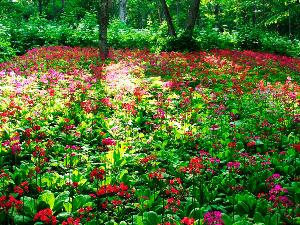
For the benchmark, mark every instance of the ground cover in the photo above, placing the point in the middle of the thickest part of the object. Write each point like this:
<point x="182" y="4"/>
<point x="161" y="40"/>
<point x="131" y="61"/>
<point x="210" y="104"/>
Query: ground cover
<point x="169" y="138"/>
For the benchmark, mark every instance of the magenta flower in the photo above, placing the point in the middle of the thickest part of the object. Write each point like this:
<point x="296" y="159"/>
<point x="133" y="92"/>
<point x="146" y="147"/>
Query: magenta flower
<point x="108" y="141"/>
<point x="213" y="218"/>
<point x="233" y="165"/>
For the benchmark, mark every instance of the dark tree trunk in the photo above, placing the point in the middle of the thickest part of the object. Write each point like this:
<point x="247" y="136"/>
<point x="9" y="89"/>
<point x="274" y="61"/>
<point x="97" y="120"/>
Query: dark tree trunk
<point x="193" y="14"/>
<point x="40" y="3"/>
<point x="103" y="18"/>
<point x="168" y="18"/>
<point x="122" y="10"/>
<point x="62" y="5"/>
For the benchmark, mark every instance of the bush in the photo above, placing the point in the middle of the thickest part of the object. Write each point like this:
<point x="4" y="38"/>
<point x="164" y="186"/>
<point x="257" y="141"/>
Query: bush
<point x="272" y="42"/>
<point x="249" y="38"/>
<point x="122" y="36"/>
<point x="6" y="51"/>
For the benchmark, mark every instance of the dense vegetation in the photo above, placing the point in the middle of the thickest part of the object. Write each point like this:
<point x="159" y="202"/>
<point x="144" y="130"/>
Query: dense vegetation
<point x="180" y="125"/>
<point x="149" y="138"/>
<point x="272" y="27"/>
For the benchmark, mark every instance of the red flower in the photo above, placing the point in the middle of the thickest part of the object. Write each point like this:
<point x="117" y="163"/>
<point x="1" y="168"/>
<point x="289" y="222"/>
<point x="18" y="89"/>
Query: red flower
<point x="71" y="221"/>
<point x="251" y="144"/>
<point x="187" y="221"/>
<point x="297" y="147"/>
<point x="46" y="217"/>
<point x="97" y="174"/>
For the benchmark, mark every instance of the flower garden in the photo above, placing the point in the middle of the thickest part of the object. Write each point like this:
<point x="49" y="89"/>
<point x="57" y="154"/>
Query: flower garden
<point x="146" y="139"/>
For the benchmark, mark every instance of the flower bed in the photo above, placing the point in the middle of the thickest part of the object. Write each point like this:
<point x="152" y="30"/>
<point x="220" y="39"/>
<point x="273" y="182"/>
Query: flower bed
<point x="171" y="138"/>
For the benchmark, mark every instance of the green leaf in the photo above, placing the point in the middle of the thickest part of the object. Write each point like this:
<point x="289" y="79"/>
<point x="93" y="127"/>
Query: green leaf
<point x="242" y="208"/>
<point x="275" y="219"/>
<point x="29" y="206"/>
<point x="20" y="219"/>
<point x="60" y="199"/>
<point x="152" y="218"/>
<point x="48" y="198"/>
<point x="68" y="206"/>
<point x="258" y="218"/>
<point x="80" y="200"/>
<point x="63" y="215"/>
<point x="195" y="213"/>
<point x="227" y="219"/>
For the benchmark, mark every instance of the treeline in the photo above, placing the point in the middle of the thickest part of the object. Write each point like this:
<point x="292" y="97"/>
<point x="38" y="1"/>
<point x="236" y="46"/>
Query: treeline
<point x="265" y="25"/>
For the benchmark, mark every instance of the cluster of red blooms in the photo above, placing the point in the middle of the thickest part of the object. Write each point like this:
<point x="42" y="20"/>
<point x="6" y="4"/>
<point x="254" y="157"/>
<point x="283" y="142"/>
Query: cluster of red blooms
<point x="121" y="190"/>
<point x="71" y="221"/>
<point x="9" y="202"/>
<point x="139" y="93"/>
<point x="175" y="192"/>
<point x="147" y="159"/>
<point x="195" y="166"/>
<point x="129" y="107"/>
<point x="97" y="174"/>
<point x="232" y="144"/>
<point x="45" y="216"/>
<point x="87" y="106"/>
<point x="108" y="141"/>
<point x="22" y="188"/>
<point x="158" y="174"/>
<point x="251" y="144"/>
<point x="85" y="213"/>
<point x="187" y="221"/>
<point x="39" y="152"/>
<point x="106" y="101"/>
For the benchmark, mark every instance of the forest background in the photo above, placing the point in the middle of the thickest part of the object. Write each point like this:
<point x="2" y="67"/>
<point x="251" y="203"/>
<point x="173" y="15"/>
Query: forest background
<point x="263" y="25"/>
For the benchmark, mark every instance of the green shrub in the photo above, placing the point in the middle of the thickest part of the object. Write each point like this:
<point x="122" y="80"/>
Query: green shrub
<point x="272" y="42"/>
<point x="6" y="51"/>
<point x="249" y="38"/>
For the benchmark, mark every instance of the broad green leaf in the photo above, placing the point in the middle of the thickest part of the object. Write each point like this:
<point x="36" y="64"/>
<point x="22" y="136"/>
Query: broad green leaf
<point x="47" y="197"/>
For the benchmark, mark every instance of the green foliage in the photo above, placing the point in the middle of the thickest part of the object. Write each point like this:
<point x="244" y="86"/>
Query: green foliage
<point x="122" y="36"/>
<point x="249" y="38"/>
<point x="6" y="51"/>
<point x="272" y="42"/>
<point x="181" y="43"/>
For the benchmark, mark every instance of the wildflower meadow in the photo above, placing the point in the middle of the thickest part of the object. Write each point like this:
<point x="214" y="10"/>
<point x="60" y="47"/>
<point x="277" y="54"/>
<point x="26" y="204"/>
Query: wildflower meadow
<point x="199" y="138"/>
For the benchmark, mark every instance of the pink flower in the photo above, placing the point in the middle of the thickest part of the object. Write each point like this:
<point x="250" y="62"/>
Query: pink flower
<point x="108" y="141"/>
<point x="213" y="218"/>
<point x="234" y="165"/>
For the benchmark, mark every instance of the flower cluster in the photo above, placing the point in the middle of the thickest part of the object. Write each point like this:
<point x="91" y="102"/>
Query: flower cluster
<point x="97" y="174"/>
<point x="195" y="166"/>
<point x="45" y="216"/>
<point x="108" y="141"/>
<point x="213" y="218"/>
<point x="8" y="202"/>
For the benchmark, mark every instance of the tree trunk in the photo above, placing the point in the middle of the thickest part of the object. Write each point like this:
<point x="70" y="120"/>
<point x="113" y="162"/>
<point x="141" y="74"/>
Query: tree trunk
<point x="194" y="10"/>
<point x="122" y="10"/>
<point x="62" y="5"/>
<point x="168" y="18"/>
<point x="103" y="18"/>
<point x="40" y="3"/>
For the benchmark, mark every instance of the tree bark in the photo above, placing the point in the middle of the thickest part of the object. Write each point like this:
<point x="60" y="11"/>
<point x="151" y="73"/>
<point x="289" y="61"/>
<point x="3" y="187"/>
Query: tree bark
<point x="194" y="10"/>
<point x="103" y="18"/>
<point x="62" y="5"/>
<point x="122" y="10"/>
<point x="168" y="18"/>
<point x="40" y="4"/>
